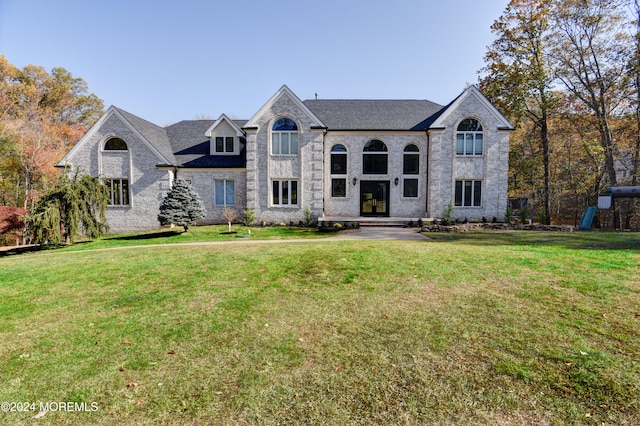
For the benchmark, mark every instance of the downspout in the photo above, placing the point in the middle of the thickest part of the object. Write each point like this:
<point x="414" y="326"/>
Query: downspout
<point x="426" y="176"/>
<point x="324" y="193"/>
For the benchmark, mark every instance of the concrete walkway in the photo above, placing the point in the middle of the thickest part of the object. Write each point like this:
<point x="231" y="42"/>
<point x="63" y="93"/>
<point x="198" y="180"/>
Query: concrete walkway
<point x="365" y="233"/>
<point x="380" y="233"/>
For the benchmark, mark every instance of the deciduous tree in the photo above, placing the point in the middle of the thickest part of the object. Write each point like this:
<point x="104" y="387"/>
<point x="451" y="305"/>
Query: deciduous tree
<point x="41" y="116"/>
<point x="518" y="78"/>
<point x="591" y="54"/>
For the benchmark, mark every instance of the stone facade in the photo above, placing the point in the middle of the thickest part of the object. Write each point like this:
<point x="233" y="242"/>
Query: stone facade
<point x="154" y="156"/>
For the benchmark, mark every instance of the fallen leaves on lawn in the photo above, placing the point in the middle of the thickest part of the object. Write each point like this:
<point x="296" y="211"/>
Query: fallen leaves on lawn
<point x="40" y="414"/>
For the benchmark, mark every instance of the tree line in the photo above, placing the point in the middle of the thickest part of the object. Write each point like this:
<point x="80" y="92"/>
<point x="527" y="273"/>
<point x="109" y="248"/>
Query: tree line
<point x="42" y="115"/>
<point x="567" y="74"/>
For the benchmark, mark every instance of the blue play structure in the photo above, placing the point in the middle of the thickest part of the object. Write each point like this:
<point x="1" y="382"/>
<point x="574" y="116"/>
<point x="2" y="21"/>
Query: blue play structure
<point x="606" y="202"/>
<point x="587" y="218"/>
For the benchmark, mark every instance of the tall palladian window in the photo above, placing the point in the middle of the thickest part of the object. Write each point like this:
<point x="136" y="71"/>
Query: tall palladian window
<point x="469" y="137"/>
<point x="284" y="137"/>
<point x="374" y="158"/>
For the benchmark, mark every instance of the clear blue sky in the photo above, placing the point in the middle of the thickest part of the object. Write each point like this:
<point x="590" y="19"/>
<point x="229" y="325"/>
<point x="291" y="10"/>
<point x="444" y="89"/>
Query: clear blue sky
<point x="166" y="61"/>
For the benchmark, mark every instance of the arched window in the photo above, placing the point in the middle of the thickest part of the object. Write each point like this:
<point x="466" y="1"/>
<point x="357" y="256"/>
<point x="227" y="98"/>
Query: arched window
<point x="469" y="137"/>
<point x="338" y="167"/>
<point x="411" y="163"/>
<point x="374" y="158"/>
<point x="115" y="144"/>
<point x="410" y="166"/>
<point x="284" y="137"/>
<point x="339" y="160"/>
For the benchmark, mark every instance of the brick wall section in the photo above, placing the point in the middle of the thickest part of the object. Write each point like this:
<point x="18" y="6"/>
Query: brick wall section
<point x="203" y="182"/>
<point x="147" y="184"/>
<point x="354" y="142"/>
<point x="306" y="167"/>
<point x="492" y="167"/>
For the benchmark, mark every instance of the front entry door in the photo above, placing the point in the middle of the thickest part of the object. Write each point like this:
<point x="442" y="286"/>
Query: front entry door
<point x="374" y="198"/>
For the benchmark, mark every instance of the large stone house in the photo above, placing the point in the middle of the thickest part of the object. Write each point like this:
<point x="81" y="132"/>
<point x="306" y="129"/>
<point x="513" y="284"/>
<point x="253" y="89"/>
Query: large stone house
<point x="334" y="158"/>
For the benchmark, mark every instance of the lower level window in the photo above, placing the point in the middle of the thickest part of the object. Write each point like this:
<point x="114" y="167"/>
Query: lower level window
<point x="410" y="188"/>
<point x="338" y="187"/>
<point x="118" y="191"/>
<point x="285" y="192"/>
<point x="225" y="194"/>
<point x="468" y="193"/>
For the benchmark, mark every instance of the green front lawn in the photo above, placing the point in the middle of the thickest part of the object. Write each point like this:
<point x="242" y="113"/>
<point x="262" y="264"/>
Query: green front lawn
<point x="469" y="328"/>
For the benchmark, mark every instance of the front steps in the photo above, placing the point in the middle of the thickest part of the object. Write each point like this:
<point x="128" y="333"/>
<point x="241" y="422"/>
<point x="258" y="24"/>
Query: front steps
<point x="358" y="222"/>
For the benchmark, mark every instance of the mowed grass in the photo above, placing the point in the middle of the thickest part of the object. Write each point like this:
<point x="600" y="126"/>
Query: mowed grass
<point x="470" y="328"/>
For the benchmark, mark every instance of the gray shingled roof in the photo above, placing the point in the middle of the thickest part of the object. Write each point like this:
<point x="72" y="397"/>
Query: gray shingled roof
<point x="191" y="147"/>
<point x="184" y="144"/>
<point x="343" y="114"/>
<point x="155" y="134"/>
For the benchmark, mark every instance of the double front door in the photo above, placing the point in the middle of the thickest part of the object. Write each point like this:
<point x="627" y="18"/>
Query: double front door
<point x="374" y="198"/>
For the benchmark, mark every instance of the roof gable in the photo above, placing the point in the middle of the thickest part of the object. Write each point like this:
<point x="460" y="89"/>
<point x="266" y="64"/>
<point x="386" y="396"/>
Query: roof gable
<point x="223" y="118"/>
<point x="471" y="90"/>
<point x="283" y="91"/>
<point x="154" y="137"/>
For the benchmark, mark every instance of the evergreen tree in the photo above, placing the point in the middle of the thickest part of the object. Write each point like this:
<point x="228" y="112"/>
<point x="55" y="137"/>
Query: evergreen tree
<point x="75" y="205"/>
<point x="182" y="206"/>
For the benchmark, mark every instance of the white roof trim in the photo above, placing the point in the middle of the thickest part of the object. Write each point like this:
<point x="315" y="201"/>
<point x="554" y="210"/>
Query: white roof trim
<point x="90" y="133"/>
<point x="253" y="121"/>
<point x="65" y="160"/>
<point x="220" y="119"/>
<point x="142" y="138"/>
<point x="472" y="90"/>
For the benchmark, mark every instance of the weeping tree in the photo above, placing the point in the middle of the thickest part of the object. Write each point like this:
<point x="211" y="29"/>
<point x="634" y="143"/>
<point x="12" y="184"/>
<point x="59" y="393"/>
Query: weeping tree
<point x="182" y="206"/>
<point x="76" y="205"/>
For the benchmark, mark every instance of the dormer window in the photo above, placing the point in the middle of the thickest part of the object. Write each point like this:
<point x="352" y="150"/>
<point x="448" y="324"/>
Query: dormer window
<point x="224" y="144"/>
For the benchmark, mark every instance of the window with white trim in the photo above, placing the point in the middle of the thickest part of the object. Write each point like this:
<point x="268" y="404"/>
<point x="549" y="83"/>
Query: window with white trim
<point x="468" y="193"/>
<point x="224" y="144"/>
<point x="284" y="137"/>
<point x="224" y="192"/>
<point x="118" y="191"/>
<point x="284" y="193"/>
<point x="469" y="140"/>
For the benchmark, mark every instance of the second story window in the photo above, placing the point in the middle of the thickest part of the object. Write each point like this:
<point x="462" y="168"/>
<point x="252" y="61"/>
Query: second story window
<point x="411" y="163"/>
<point x="115" y="144"/>
<point x="224" y="143"/>
<point x="374" y="158"/>
<point x="469" y="137"/>
<point x="338" y="160"/>
<point x="284" y="137"/>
